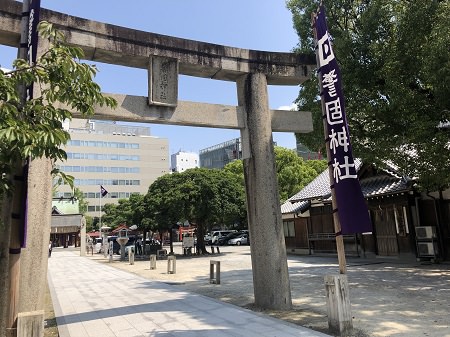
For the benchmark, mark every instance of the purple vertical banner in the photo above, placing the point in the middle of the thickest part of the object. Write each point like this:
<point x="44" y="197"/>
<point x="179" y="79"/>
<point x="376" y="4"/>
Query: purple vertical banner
<point x="23" y="227"/>
<point x="351" y="206"/>
<point x="32" y="37"/>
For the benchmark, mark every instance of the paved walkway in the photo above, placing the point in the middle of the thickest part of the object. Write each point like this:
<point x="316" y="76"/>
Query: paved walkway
<point x="93" y="299"/>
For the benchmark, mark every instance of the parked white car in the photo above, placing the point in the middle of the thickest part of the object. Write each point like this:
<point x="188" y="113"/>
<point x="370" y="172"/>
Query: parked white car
<point x="216" y="235"/>
<point x="98" y="245"/>
<point x="239" y="240"/>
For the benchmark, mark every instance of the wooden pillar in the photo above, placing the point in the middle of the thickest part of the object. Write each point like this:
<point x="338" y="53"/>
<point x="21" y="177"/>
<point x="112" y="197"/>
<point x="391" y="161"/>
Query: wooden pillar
<point x="269" y="261"/>
<point x="16" y="222"/>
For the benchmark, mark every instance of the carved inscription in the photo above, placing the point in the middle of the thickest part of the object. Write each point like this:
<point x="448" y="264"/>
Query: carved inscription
<point x="163" y="81"/>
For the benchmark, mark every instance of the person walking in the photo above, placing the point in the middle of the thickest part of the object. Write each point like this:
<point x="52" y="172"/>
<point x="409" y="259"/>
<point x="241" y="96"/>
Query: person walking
<point x="139" y="246"/>
<point x="50" y="247"/>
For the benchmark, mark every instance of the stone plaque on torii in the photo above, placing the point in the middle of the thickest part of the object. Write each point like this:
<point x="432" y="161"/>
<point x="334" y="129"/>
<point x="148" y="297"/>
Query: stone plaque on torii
<point x="165" y="57"/>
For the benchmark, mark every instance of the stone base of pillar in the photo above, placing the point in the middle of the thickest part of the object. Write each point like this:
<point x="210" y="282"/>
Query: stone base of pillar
<point x="338" y="305"/>
<point x="30" y="324"/>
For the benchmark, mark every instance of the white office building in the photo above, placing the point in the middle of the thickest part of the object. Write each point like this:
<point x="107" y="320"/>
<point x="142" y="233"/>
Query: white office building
<point x="123" y="159"/>
<point x="181" y="161"/>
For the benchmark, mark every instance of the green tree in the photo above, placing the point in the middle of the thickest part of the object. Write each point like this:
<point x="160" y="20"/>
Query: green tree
<point x="201" y="196"/>
<point x="32" y="128"/>
<point x="395" y="63"/>
<point x="132" y="211"/>
<point x="163" y="203"/>
<point x="89" y="223"/>
<point x="137" y="212"/>
<point x="115" y="214"/>
<point x="293" y="173"/>
<point x="317" y="165"/>
<point x="82" y="203"/>
<point x="236" y="167"/>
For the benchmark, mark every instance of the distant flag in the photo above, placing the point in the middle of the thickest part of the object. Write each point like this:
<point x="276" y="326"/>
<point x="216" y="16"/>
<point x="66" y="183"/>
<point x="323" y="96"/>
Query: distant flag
<point x="351" y="206"/>
<point x="103" y="191"/>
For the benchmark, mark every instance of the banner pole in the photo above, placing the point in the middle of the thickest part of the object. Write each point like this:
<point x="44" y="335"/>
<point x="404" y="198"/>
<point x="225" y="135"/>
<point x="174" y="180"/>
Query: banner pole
<point x="337" y="225"/>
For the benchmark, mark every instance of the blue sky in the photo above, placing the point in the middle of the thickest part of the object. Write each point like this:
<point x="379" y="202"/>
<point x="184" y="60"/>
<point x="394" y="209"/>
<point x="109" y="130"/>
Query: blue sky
<point x="250" y="24"/>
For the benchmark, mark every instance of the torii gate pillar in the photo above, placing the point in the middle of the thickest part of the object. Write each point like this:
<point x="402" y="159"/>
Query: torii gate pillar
<point x="269" y="263"/>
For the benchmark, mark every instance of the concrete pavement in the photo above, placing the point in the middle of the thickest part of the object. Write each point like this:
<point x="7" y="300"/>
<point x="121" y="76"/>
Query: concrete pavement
<point x="94" y="299"/>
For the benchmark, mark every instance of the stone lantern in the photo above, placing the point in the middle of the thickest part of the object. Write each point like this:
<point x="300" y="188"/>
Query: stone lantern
<point x="122" y="239"/>
<point x="104" y="231"/>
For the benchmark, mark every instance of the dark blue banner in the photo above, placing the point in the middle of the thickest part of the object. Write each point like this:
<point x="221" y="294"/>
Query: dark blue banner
<point x="32" y="37"/>
<point x="351" y="206"/>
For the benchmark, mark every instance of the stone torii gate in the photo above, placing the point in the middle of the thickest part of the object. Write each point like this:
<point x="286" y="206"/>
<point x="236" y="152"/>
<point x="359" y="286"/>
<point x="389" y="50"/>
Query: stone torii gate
<point x="165" y="58"/>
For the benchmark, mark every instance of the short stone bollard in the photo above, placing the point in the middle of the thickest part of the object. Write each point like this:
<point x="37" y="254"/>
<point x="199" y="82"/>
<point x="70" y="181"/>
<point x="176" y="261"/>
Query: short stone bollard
<point x="131" y="255"/>
<point x="161" y="253"/>
<point x="111" y="251"/>
<point x="214" y="272"/>
<point x="171" y="264"/>
<point x="152" y="261"/>
<point x="338" y="304"/>
<point x="30" y="324"/>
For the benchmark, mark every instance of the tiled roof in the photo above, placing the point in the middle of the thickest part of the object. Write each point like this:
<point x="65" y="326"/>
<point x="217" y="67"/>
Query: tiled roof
<point x="289" y="207"/>
<point x="319" y="188"/>
<point x="66" y="220"/>
<point x="383" y="185"/>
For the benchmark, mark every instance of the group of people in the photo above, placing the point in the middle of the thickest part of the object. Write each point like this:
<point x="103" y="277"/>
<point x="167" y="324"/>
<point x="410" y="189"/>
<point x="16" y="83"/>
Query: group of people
<point x="90" y="246"/>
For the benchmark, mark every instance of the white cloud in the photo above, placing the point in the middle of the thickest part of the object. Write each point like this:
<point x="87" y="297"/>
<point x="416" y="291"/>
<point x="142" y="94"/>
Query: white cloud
<point x="293" y="106"/>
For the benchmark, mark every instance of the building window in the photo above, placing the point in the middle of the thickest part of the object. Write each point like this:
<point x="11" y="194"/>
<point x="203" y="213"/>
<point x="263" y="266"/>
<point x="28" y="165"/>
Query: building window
<point x="401" y="220"/>
<point x="105" y="182"/>
<point x="289" y="229"/>
<point x="100" y="169"/>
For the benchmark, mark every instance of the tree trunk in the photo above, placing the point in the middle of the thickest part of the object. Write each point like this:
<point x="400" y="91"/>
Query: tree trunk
<point x="201" y="248"/>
